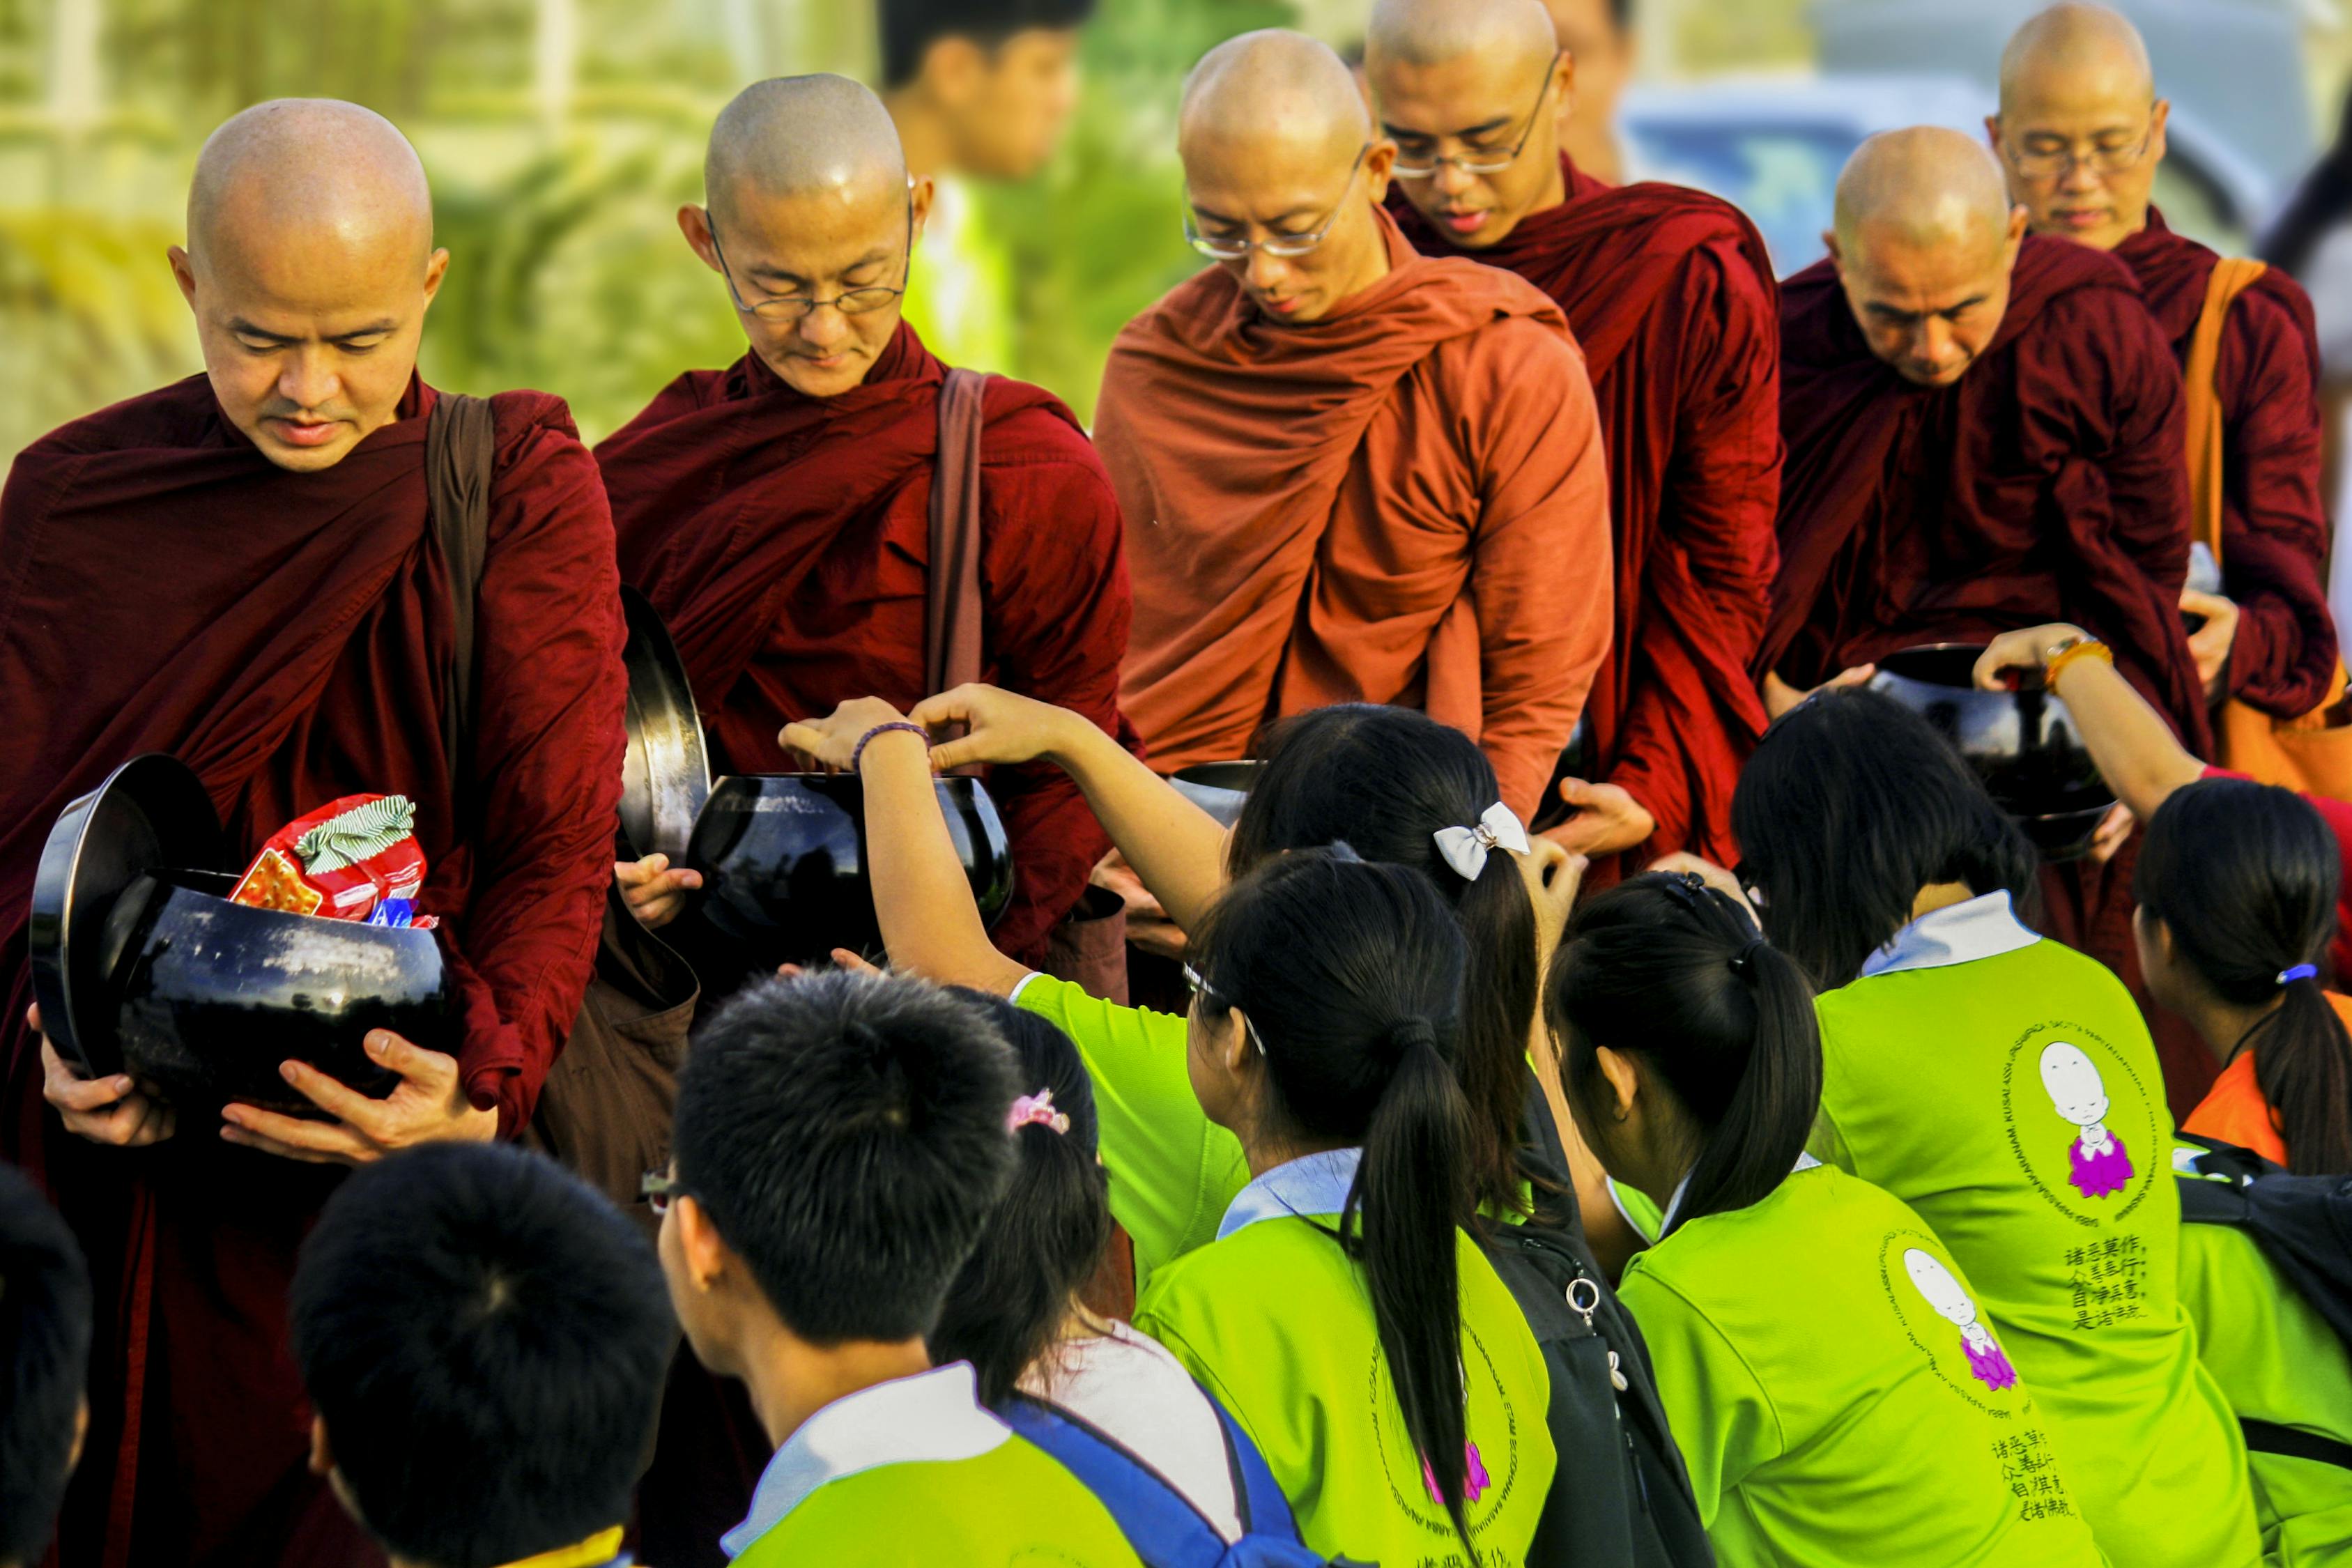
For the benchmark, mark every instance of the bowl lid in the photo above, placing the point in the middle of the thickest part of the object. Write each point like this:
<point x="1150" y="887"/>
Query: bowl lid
<point x="666" y="771"/>
<point x="152" y="814"/>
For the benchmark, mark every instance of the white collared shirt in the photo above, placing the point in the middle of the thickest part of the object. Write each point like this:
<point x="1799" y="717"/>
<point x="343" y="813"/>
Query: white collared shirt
<point x="1310" y="1185"/>
<point x="1981" y="927"/>
<point x="930" y="1416"/>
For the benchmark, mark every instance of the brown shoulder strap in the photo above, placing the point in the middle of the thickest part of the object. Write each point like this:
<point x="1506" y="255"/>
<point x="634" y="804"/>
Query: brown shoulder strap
<point x="952" y="611"/>
<point x="460" y="453"/>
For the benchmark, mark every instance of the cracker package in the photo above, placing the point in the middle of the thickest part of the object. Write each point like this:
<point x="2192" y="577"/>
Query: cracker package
<point x="356" y="859"/>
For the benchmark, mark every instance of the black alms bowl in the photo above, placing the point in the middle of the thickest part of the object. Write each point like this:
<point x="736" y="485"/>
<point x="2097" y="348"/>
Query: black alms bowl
<point x="143" y="965"/>
<point x="2024" y="743"/>
<point x="782" y="857"/>
<point x="1218" y="788"/>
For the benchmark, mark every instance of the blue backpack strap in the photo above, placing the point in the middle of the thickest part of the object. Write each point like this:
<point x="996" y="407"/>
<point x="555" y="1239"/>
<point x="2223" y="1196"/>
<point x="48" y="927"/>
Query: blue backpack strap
<point x="1266" y="1511"/>
<point x="1162" y="1526"/>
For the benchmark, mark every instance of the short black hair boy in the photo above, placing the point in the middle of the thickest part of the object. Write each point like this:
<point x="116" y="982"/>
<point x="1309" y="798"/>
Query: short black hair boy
<point x="45" y="1327"/>
<point x="909" y="27"/>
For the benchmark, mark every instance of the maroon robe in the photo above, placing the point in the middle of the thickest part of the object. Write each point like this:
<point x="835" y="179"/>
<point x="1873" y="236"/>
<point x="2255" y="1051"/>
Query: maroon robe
<point x="166" y="588"/>
<point x="1670" y="293"/>
<point x="2274" y="534"/>
<point x="2046" y="485"/>
<point x="785" y="541"/>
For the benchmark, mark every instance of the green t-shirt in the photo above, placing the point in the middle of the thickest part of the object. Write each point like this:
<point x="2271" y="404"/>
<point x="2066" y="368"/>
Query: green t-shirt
<point x="1855" y="1410"/>
<point x="2006" y="1089"/>
<point x="1277" y="1322"/>
<point x="1172" y="1171"/>
<point x="2277" y="1361"/>
<point x="1013" y="1507"/>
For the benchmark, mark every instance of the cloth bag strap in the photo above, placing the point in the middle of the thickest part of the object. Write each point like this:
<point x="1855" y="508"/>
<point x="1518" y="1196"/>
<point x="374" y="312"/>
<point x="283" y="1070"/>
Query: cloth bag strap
<point x="460" y="463"/>
<point x="952" y="611"/>
<point x="2201" y="378"/>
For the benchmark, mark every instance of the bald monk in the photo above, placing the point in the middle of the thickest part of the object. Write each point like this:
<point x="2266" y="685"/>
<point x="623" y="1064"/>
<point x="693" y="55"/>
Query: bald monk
<point x="777" y="513"/>
<point x="238" y="570"/>
<point x="1349" y="473"/>
<point x="2081" y="132"/>
<point x="1980" y="425"/>
<point x="1597" y="35"/>
<point x="1670" y="293"/>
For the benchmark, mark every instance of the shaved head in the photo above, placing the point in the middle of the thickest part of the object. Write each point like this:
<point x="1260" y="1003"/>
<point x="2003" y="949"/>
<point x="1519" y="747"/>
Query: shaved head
<point x="2081" y="131"/>
<point x="314" y="164"/>
<point x="310" y="264"/>
<point x="802" y="136"/>
<point x="1924" y="242"/>
<point x="1272" y="86"/>
<point x="1439" y="31"/>
<point x="1599" y="36"/>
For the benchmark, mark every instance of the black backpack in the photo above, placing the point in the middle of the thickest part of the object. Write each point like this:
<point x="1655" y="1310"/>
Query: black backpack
<point x="2304" y="1227"/>
<point x="1622" y="1497"/>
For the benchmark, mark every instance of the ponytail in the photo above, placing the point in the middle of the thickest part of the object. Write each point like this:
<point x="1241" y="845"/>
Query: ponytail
<point x="1673" y="972"/>
<point x="1352" y="974"/>
<point x="2246" y="878"/>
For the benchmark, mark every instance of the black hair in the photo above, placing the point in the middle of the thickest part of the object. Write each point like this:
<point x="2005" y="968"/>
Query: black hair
<point x="485" y="1338"/>
<point x="45" y="1328"/>
<point x="845" y="1135"/>
<point x="1049" y="1232"/>
<point x="1851" y="805"/>
<point x="1384" y="780"/>
<point x="2320" y="204"/>
<point x="909" y="27"/>
<point x="1350" y="976"/>
<point x="2246" y="877"/>
<point x="1667" y="969"/>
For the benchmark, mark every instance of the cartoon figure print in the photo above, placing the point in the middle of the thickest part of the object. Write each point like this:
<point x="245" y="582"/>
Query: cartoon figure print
<point x="2096" y="1161"/>
<point x="1936" y="1284"/>
<point x="1475" y="1480"/>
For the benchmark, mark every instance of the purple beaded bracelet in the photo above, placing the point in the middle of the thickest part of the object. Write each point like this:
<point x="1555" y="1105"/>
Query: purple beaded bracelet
<point x="858" y="755"/>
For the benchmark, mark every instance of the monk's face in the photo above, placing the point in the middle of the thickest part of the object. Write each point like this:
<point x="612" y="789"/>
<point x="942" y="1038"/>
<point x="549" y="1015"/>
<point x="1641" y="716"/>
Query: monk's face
<point x="1479" y="109"/>
<point x="309" y="330"/>
<point x="846" y="247"/>
<point x="1928" y="310"/>
<point x="1005" y="107"/>
<point x="1284" y="191"/>
<point x="2081" y="148"/>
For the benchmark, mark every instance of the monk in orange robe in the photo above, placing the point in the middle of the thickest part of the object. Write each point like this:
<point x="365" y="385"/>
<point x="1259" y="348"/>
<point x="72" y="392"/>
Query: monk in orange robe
<point x="2081" y="132"/>
<point x="1348" y="473"/>
<point x="1670" y="293"/>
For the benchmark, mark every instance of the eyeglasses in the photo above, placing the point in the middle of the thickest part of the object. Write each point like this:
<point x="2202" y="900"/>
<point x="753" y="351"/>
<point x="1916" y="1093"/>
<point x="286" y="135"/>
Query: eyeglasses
<point x="1486" y="163"/>
<point x="1199" y="987"/>
<point x="1289" y="246"/>
<point x="786" y="309"/>
<point x="2062" y="162"/>
<point x="660" y="1189"/>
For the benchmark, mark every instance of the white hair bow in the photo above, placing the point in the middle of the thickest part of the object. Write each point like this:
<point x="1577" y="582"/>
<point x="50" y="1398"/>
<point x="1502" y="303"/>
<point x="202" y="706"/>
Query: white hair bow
<point x="1466" y="849"/>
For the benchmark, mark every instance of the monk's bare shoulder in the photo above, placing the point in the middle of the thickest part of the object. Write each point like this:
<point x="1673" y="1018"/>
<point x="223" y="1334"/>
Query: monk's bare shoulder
<point x="181" y="414"/>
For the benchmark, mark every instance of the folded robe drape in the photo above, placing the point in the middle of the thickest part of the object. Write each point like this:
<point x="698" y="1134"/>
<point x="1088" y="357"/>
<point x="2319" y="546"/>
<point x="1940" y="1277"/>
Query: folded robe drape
<point x="1404" y="502"/>
<point x="1671" y="296"/>
<point x="785" y="541"/>
<point x="164" y="588"/>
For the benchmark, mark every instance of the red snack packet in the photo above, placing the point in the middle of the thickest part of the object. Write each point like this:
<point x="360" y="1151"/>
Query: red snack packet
<point x="341" y="861"/>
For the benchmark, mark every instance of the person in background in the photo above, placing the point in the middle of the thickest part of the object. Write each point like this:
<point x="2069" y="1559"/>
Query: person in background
<point x="1671" y="296"/>
<point x="841" y="1144"/>
<point x="1598" y="38"/>
<point x="827" y="433"/>
<point x="484" y="1338"/>
<point x="241" y="569"/>
<point x="1859" y="1414"/>
<point x="45" y="1332"/>
<point x="1348" y="473"/>
<point x="2005" y="1086"/>
<point x="1014" y="1312"/>
<point x="2081" y="134"/>
<point x="981" y="91"/>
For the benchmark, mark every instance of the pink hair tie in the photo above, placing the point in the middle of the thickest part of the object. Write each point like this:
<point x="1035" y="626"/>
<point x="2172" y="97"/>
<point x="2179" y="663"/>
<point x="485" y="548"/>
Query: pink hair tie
<point x="1036" y="1109"/>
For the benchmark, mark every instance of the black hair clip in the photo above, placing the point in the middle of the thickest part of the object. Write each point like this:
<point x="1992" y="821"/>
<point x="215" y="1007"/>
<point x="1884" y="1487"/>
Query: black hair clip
<point x="1686" y="886"/>
<point x="1742" y="962"/>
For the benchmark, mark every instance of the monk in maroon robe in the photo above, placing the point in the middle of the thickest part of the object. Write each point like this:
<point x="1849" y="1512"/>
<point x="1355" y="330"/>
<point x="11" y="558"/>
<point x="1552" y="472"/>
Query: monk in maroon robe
<point x="777" y="513"/>
<point x="1671" y="296"/>
<point x="2081" y="132"/>
<point x="238" y="570"/>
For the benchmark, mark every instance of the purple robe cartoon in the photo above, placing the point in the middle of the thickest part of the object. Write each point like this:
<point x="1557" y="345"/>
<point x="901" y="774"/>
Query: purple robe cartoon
<point x="1475" y="1480"/>
<point x="1941" y="1287"/>
<point x="2096" y="1162"/>
<point x="1989" y="1362"/>
<point x="2096" y="1172"/>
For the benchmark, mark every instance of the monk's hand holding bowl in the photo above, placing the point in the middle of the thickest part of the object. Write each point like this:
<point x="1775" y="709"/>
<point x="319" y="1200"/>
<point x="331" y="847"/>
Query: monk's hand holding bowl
<point x="113" y="1110"/>
<point x="1608" y="819"/>
<point x="2210" y="644"/>
<point x="1780" y="696"/>
<point x="430" y="1105"/>
<point x="655" y="892"/>
<point x="833" y="741"/>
